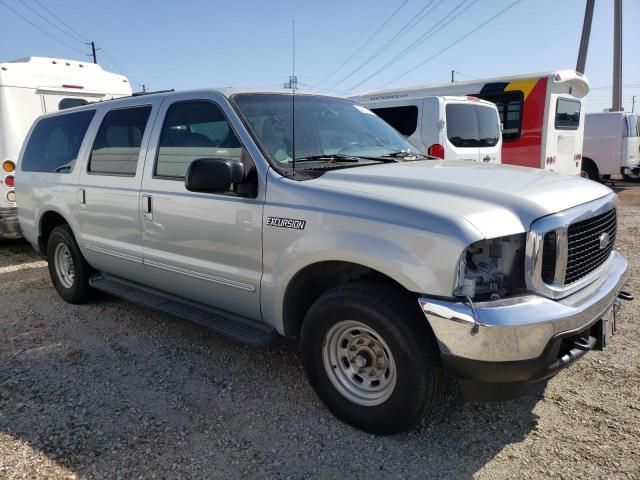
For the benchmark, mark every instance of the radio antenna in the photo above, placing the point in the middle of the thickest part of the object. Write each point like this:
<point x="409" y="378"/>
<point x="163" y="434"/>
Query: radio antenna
<point x="294" y="83"/>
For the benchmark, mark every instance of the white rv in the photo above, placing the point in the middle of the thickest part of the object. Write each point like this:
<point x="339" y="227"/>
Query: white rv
<point x="447" y="127"/>
<point x="611" y="145"/>
<point x="31" y="87"/>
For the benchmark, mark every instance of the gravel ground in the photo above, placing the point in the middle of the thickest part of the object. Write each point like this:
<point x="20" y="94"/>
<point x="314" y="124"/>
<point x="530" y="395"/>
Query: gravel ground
<point x="112" y="390"/>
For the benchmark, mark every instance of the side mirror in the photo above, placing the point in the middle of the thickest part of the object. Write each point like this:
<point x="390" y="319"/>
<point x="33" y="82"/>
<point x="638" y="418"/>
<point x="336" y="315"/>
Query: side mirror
<point x="213" y="175"/>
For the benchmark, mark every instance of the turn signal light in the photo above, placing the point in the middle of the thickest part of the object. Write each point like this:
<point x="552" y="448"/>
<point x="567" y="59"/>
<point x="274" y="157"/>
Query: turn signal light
<point x="8" y="166"/>
<point x="436" y="150"/>
<point x="9" y="181"/>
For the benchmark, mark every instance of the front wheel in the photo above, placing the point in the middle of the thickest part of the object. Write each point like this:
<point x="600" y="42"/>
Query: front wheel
<point x="69" y="271"/>
<point x="370" y="357"/>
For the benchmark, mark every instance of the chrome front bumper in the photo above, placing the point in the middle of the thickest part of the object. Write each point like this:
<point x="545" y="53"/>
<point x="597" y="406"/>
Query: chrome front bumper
<point x="9" y="225"/>
<point x="520" y="328"/>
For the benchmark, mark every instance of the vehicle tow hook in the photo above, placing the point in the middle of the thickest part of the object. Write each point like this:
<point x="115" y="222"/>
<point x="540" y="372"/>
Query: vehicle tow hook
<point x="627" y="296"/>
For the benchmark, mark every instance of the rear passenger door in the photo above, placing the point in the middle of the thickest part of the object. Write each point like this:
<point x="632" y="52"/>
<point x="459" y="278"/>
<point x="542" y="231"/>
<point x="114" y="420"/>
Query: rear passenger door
<point x="205" y="247"/>
<point x="108" y="193"/>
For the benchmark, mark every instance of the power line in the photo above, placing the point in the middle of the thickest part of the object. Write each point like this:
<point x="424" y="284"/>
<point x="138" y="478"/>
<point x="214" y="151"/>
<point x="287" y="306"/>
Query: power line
<point x="609" y="87"/>
<point x="73" y="37"/>
<point x="438" y="26"/>
<point x="72" y="30"/>
<point x="456" y="42"/>
<point x="41" y="29"/>
<point x="406" y="28"/>
<point x="366" y="42"/>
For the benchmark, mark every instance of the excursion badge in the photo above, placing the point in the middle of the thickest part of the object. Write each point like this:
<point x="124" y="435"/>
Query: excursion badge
<point x="286" y="223"/>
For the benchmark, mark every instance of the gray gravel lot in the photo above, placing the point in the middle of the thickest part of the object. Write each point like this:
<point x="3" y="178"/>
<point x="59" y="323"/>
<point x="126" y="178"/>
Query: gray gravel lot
<point x="112" y="390"/>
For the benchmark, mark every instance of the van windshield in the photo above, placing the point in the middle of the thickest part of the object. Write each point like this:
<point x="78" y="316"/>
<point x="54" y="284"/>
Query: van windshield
<point x="471" y="125"/>
<point x="326" y="129"/>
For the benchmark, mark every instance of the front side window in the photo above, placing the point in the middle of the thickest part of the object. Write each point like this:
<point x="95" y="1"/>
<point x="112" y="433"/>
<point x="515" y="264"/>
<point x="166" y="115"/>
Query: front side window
<point x="470" y="125"/>
<point x="327" y="130"/>
<point x="509" y="106"/>
<point x="55" y="142"/>
<point x="404" y="119"/>
<point x="192" y="130"/>
<point x="567" y="114"/>
<point x="117" y="146"/>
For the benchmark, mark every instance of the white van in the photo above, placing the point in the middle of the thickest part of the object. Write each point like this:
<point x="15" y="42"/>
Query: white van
<point x="31" y="87"/>
<point x="447" y="127"/>
<point x="611" y="145"/>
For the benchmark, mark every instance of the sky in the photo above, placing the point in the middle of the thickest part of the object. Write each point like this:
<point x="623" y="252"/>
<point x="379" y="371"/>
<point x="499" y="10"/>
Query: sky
<point x="198" y="44"/>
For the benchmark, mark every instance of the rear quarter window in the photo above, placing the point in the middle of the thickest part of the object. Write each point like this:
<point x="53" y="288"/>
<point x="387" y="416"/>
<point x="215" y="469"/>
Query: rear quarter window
<point x="55" y="142"/>
<point x="404" y="119"/>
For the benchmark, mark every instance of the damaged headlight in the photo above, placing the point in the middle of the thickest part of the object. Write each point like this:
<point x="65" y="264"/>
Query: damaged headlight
<point x="491" y="269"/>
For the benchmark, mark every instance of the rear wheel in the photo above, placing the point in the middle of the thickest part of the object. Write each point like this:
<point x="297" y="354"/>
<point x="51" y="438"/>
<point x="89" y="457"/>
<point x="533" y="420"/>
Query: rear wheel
<point x="68" y="269"/>
<point x="370" y="357"/>
<point x="631" y="177"/>
<point x="589" y="170"/>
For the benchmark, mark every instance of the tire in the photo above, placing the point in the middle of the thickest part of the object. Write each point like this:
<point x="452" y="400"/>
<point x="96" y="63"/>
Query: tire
<point x="71" y="280"/>
<point x="590" y="171"/>
<point x="631" y="178"/>
<point x="389" y="321"/>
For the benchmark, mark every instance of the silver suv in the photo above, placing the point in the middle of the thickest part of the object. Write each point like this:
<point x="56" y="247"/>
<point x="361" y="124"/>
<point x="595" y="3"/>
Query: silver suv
<point x="262" y="213"/>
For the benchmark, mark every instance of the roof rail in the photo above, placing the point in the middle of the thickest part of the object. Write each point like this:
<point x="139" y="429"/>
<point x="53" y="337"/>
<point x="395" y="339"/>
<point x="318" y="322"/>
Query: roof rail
<point x="139" y="94"/>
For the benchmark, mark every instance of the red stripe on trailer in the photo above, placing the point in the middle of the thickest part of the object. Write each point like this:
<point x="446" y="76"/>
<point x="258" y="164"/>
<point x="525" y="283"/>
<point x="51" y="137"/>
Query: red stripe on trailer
<point x="527" y="149"/>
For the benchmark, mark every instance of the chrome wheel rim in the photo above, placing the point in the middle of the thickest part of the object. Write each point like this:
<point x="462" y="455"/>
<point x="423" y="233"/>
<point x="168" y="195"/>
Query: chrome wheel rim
<point x="63" y="263"/>
<point x="359" y="363"/>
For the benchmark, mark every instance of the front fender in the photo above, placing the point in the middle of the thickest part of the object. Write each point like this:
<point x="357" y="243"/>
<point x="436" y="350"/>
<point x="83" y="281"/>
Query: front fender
<point x="419" y="261"/>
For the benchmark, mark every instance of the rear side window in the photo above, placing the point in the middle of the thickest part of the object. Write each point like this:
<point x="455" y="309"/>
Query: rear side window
<point x="71" y="102"/>
<point x="55" y="142"/>
<point x="509" y="106"/>
<point x="404" y="119"/>
<point x="192" y="130"/>
<point x="567" y="114"/>
<point x="471" y="125"/>
<point x="117" y="145"/>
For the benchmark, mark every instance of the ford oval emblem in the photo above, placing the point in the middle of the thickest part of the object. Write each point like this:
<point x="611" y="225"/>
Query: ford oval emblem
<point x="604" y="240"/>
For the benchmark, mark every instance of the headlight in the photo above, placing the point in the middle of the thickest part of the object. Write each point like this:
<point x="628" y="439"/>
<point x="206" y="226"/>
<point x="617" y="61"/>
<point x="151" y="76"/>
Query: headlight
<point x="491" y="269"/>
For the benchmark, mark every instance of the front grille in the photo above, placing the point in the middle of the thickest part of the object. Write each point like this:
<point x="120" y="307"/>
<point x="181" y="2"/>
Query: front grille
<point x="548" y="270"/>
<point x="584" y="253"/>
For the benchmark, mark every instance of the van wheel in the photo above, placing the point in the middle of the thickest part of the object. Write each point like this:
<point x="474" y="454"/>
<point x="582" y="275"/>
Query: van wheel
<point x="370" y="357"/>
<point x="631" y="177"/>
<point x="589" y="170"/>
<point x="69" y="271"/>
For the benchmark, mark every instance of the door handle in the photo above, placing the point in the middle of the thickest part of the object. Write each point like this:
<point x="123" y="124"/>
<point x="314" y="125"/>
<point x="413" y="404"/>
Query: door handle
<point x="82" y="193"/>
<point x="146" y="207"/>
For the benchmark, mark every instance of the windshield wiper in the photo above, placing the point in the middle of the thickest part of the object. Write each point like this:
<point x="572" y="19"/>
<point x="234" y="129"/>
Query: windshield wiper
<point x="402" y="154"/>
<point x="336" y="157"/>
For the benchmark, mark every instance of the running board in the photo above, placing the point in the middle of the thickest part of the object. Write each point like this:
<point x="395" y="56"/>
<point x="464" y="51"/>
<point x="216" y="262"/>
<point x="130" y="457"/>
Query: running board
<point x="236" y="328"/>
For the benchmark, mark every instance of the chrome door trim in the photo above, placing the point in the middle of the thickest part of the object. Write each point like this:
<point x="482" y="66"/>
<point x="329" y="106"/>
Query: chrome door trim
<point x="113" y="253"/>
<point x="202" y="276"/>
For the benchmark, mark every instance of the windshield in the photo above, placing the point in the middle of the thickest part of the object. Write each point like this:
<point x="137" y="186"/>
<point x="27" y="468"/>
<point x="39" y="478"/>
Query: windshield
<point x="325" y="128"/>
<point x="633" y="126"/>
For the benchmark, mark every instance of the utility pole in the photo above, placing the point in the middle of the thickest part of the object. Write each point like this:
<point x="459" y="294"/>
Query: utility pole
<point x="633" y="104"/>
<point x="452" y="78"/>
<point x="586" y="33"/>
<point x="144" y="87"/>
<point x="93" y="51"/>
<point x="616" y="97"/>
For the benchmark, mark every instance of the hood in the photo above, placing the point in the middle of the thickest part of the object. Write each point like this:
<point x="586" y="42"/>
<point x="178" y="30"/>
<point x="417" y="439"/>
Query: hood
<point x="496" y="199"/>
